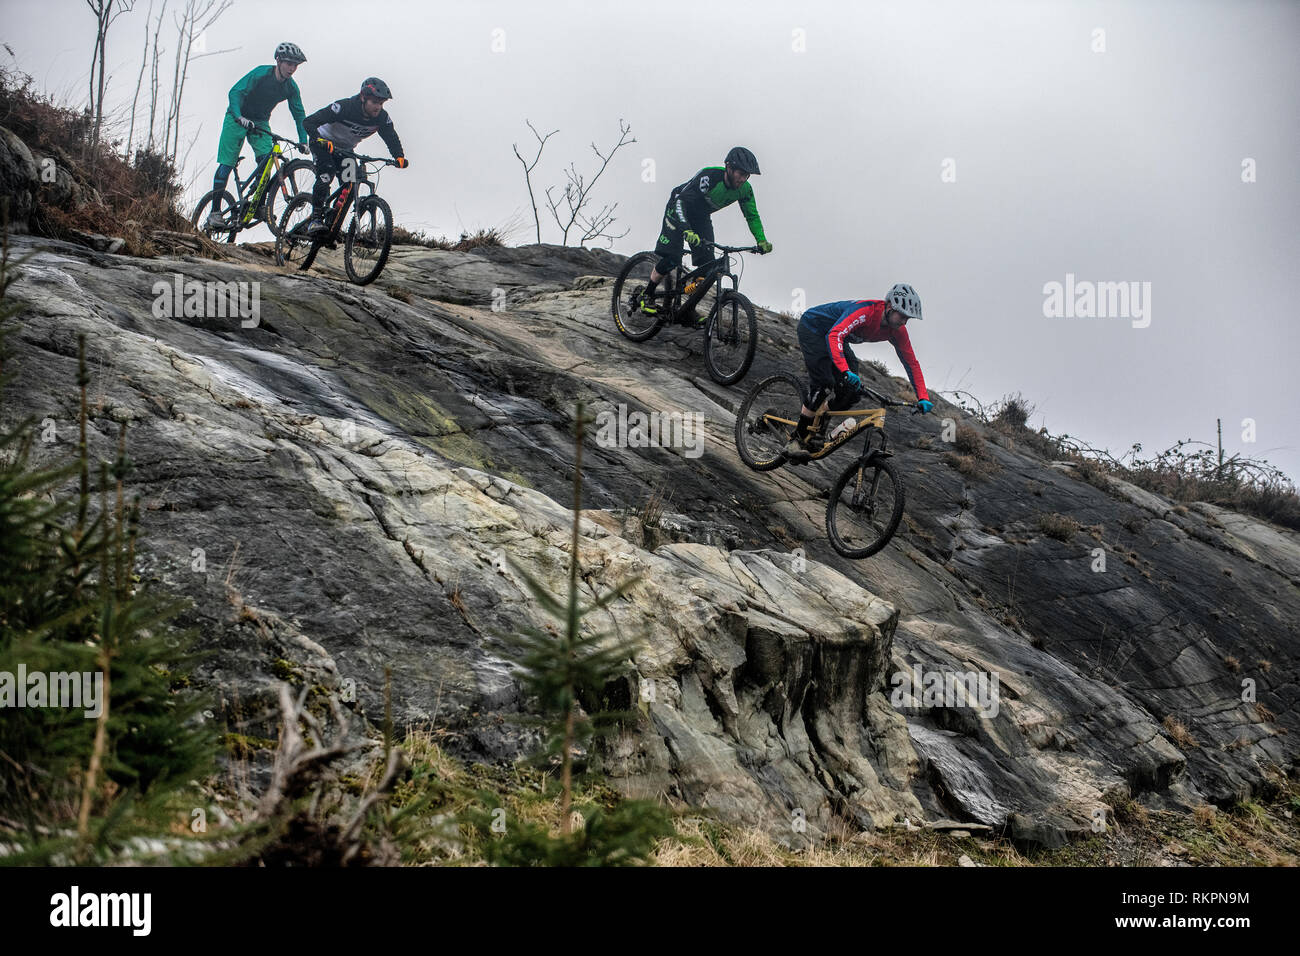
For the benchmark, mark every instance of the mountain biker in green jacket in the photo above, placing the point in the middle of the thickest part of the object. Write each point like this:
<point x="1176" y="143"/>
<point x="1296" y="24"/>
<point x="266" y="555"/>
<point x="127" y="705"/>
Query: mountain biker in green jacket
<point x="690" y="208"/>
<point x="824" y="334"/>
<point x="251" y="100"/>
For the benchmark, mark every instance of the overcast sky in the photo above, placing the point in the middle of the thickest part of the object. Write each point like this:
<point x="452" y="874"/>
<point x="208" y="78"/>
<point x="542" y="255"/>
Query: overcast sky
<point x="978" y="151"/>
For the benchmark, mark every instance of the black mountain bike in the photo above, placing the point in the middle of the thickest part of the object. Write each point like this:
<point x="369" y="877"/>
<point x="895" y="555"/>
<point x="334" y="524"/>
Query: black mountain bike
<point x="730" y="329"/>
<point x="369" y="234"/>
<point x="866" y="501"/>
<point x="267" y="186"/>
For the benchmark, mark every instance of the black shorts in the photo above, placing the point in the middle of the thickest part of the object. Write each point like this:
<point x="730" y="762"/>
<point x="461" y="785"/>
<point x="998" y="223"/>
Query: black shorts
<point x="823" y="376"/>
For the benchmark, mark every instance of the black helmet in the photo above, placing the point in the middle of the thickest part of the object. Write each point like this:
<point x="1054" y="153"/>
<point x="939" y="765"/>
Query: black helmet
<point x="743" y="160"/>
<point x="291" y="52"/>
<point x="374" y="86"/>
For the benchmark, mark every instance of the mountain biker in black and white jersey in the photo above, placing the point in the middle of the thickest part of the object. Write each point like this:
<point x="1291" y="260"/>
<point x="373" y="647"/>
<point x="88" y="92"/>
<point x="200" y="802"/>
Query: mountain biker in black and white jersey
<point x="345" y="123"/>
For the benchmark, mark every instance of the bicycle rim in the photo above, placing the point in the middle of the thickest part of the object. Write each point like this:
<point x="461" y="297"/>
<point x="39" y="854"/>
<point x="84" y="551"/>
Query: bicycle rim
<point x="225" y="206"/>
<point x="295" y="178"/>
<point x="766" y="421"/>
<point x="865" y="508"/>
<point x="730" y="339"/>
<point x="370" y="236"/>
<point x="292" y="245"/>
<point x="637" y="316"/>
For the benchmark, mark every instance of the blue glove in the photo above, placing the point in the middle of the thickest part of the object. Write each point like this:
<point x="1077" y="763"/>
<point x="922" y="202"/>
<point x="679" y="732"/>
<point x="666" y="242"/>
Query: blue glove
<point x="925" y="405"/>
<point x="851" y="378"/>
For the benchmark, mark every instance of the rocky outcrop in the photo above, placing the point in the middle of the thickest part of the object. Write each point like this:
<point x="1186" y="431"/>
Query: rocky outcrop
<point x="344" y="485"/>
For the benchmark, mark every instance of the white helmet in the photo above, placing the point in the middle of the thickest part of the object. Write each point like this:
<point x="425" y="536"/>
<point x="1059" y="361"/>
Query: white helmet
<point x="904" y="298"/>
<point x="291" y="52"/>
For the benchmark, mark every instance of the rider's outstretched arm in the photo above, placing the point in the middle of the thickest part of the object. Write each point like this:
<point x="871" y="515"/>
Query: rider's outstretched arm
<point x="903" y="346"/>
<point x="295" y="109"/>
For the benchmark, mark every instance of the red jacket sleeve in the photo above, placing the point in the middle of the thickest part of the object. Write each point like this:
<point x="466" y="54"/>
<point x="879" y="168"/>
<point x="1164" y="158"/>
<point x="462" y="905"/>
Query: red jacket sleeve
<point x="903" y="346"/>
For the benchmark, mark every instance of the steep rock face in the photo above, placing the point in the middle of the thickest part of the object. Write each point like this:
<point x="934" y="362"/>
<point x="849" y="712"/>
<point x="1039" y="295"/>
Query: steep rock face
<point x="342" y="486"/>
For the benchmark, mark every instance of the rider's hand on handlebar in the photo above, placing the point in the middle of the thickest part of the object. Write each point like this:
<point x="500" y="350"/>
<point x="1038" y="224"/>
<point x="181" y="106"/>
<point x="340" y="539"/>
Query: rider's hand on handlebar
<point x="245" y="122"/>
<point x="692" y="238"/>
<point x="300" y="147"/>
<point x="851" y="378"/>
<point x="925" y="405"/>
<point x="401" y="162"/>
<point x="764" y="247"/>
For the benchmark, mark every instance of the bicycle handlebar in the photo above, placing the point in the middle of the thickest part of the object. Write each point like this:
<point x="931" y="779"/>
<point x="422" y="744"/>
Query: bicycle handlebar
<point x="722" y="248"/>
<point x="889" y="401"/>
<point x="280" y="139"/>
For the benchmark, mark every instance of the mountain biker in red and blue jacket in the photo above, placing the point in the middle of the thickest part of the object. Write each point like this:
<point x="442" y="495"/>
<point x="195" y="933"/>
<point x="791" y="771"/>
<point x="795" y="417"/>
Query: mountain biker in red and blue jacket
<point x="258" y="92"/>
<point x="825" y="331"/>
<point x="345" y="123"/>
<point x="687" y="217"/>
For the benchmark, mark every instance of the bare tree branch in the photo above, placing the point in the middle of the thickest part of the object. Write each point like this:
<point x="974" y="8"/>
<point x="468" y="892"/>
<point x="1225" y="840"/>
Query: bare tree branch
<point x="577" y="194"/>
<point x="528" y="169"/>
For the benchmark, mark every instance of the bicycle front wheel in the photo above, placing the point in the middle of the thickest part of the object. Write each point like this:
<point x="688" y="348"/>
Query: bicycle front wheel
<point x="294" y="177"/>
<point x="370" y="237"/>
<point x="766" y="421"/>
<point x="865" y="508"/>
<point x="637" y="316"/>
<point x="730" y="339"/>
<point x="292" y="244"/>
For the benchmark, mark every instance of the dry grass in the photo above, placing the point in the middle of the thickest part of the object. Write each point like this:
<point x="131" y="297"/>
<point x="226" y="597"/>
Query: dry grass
<point x="968" y="465"/>
<point x="466" y="242"/>
<point x="968" y="441"/>
<point x="130" y="199"/>
<point x="1178" y="732"/>
<point x="1245" y="834"/>
<point x="1059" y="526"/>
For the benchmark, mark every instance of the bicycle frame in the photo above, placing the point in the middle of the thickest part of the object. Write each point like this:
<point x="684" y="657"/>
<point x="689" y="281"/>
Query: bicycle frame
<point x="872" y="418"/>
<point x="348" y="191"/>
<point x="720" y="269"/>
<point x="272" y="163"/>
<point x="249" y="202"/>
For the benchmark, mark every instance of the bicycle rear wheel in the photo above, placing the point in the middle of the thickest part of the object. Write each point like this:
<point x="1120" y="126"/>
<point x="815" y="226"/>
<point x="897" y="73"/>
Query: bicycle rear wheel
<point x="294" y="177"/>
<point x="637" y="318"/>
<point x="865" y="508"/>
<point x="766" y="421"/>
<point x="730" y="339"/>
<point x="223" y="204"/>
<point x="292" y="244"/>
<point x="369" y="239"/>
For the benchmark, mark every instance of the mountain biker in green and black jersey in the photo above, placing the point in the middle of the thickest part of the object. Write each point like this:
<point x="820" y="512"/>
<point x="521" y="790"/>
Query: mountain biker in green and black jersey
<point x="346" y="123"/>
<point x="251" y="100"/>
<point x="824" y="331"/>
<point x="690" y="206"/>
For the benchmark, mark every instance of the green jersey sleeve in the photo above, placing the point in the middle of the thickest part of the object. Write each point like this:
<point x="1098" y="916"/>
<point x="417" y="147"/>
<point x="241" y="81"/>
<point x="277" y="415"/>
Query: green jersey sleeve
<point x="750" y="210"/>
<point x="295" y="108"/>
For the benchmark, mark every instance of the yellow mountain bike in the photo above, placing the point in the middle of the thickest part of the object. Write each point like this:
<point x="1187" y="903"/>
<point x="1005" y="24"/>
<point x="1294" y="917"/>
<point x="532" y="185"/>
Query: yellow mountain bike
<point x="866" y="501"/>
<point x="262" y="196"/>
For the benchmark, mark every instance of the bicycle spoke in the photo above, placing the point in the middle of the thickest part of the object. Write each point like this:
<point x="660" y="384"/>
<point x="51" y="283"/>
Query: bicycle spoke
<point x="766" y="421"/>
<point x="862" y="517"/>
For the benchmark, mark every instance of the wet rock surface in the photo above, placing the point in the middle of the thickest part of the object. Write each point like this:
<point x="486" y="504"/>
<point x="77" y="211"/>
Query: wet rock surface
<point x="344" y="487"/>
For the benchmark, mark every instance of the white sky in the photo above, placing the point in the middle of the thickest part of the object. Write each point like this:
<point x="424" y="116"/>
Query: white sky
<point x="1123" y="165"/>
